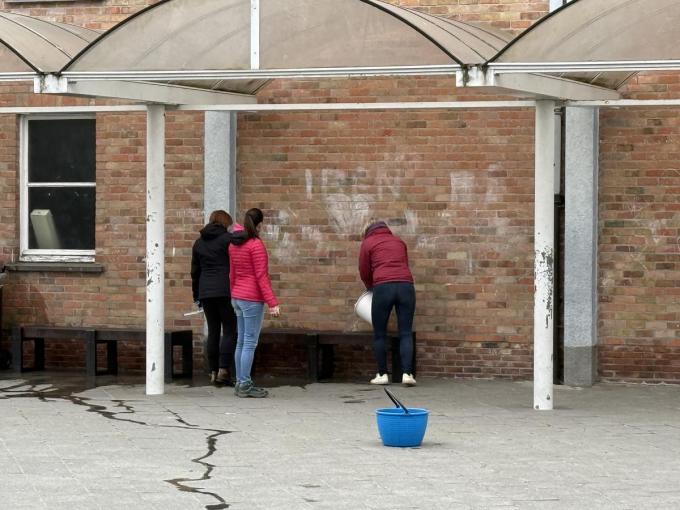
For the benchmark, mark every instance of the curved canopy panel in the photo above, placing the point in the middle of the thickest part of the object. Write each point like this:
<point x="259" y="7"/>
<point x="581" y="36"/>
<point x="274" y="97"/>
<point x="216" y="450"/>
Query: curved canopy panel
<point x="29" y="45"/>
<point x="186" y="36"/>
<point x="600" y="31"/>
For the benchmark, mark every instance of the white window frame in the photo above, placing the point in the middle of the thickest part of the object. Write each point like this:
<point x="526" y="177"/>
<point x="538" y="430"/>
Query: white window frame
<point x="36" y="255"/>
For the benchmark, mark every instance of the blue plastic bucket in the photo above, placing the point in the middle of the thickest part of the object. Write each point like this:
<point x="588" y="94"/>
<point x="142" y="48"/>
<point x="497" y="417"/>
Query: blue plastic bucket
<point x="397" y="428"/>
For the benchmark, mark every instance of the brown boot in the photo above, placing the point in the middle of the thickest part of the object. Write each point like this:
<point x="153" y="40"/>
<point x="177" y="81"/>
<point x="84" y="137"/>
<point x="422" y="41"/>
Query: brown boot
<point x="223" y="376"/>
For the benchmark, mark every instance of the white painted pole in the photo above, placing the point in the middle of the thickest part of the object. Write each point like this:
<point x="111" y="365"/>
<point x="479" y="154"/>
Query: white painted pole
<point x="544" y="239"/>
<point x="155" y="249"/>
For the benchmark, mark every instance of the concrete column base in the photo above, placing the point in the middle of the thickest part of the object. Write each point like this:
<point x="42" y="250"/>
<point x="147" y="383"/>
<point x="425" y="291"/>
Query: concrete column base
<point x="580" y="365"/>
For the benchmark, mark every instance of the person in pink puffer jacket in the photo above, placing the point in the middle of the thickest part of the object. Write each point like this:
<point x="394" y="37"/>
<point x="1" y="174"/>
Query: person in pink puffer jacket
<point x="251" y="289"/>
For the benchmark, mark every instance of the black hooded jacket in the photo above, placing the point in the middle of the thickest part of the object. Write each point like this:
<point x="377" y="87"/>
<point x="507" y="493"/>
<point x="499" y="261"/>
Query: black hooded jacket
<point x="210" y="263"/>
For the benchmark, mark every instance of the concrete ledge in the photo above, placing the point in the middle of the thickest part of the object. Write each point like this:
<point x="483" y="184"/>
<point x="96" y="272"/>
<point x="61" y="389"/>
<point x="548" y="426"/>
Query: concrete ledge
<point x="61" y="267"/>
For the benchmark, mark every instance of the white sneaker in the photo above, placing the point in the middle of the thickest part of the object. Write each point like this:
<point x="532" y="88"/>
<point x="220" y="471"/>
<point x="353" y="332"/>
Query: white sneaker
<point x="408" y="380"/>
<point x="380" y="379"/>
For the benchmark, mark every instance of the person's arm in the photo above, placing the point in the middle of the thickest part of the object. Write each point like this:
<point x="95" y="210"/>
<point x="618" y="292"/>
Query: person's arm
<point x="261" y="267"/>
<point x="195" y="272"/>
<point x="365" y="271"/>
<point x="232" y="268"/>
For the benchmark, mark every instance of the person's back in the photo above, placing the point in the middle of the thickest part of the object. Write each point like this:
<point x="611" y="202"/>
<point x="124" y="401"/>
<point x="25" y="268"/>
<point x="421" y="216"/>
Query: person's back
<point x="383" y="258"/>
<point x="211" y="253"/>
<point x="249" y="274"/>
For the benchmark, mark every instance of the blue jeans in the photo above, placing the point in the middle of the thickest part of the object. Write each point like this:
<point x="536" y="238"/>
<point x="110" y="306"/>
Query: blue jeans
<point x="402" y="297"/>
<point x="249" y="317"/>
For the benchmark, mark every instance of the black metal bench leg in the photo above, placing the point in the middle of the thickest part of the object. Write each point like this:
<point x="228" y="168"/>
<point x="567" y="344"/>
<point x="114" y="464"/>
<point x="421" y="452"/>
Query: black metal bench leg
<point x="17" y="350"/>
<point x="327" y="361"/>
<point x="188" y="356"/>
<point x="312" y="342"/>
<point x="112" y="358"/>
<point x="91" y="356"/>
<point x="39" y="353"/>
<point x="169" y="358"/>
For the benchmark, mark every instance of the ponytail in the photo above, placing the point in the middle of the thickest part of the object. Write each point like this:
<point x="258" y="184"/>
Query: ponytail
<point x="252" y="219"/>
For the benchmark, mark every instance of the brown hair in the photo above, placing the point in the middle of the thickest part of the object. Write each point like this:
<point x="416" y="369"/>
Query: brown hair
<point x="221" y="217"/>
<point x="252" y="219"/>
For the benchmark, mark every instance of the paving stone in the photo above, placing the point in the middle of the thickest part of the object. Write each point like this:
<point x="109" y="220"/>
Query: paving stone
<point x="317" y="447"/>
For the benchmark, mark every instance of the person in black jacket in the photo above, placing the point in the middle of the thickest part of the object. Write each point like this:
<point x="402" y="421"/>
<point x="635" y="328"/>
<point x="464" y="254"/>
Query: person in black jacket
<point x="210" y="286"/>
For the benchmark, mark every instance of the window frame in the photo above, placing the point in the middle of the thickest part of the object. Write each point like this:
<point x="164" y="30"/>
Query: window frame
<point x="39" y="255"/>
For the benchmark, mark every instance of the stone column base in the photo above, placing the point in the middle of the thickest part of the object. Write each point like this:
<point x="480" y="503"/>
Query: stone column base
<point x="580" y="365"/>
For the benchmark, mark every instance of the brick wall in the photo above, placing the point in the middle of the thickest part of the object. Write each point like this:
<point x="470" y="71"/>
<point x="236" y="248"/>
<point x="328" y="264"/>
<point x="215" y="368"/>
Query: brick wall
<point x="458" y="186"/>
<point x="511" y="15"/>
<point x="100" y="15"/>
<point x="452" y="184"/>
<point x="639" y="246"/>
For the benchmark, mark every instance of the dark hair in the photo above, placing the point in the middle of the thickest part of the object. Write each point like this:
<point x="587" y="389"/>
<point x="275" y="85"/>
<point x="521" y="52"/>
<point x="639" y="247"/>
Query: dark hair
<point x="252" y="219"/>
<point x="221" y="217"/>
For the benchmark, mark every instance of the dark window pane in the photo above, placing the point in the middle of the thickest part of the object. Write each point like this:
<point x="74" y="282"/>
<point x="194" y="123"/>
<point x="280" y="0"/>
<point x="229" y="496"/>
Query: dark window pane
<point x="61" y="218"/>
<point x="61" y="150"/>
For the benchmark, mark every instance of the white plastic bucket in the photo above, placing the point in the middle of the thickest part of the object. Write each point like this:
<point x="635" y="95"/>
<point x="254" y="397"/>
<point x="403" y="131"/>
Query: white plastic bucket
<point x="363" y="306"/>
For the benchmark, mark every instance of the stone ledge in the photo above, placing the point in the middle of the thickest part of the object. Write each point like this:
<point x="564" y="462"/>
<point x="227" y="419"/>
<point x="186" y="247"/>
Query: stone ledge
<point x="61" y="267"/>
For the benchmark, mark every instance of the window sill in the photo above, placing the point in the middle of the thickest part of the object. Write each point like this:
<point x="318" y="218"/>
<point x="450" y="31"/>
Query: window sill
<point x="61" y="267"/>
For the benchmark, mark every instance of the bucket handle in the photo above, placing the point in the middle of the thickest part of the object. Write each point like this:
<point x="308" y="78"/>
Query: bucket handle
<point x="396" y="401"/>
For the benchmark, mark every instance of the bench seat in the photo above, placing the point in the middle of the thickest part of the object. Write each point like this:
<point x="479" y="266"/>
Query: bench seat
<point x="321" y="347"/>
<point x="94" y="336"/>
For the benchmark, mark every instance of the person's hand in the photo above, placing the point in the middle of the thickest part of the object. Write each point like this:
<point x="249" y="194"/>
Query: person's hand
<point x="198" y="304"/>
<point x="275" y="312"/>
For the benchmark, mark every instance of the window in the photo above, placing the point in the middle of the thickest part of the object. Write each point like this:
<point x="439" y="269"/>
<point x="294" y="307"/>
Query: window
<point x="58" y="189"/>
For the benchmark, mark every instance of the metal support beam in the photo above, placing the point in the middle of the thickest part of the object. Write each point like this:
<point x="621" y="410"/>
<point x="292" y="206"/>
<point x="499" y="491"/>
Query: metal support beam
<point x="544" y="239"/>
<point x="538" y="85"/>
<point x="155" y="250"/>
<point x="602" y="66"/>
<point x="264" y="74"/>
<point x="170" y="94"/>
<point x="297" y="107"/>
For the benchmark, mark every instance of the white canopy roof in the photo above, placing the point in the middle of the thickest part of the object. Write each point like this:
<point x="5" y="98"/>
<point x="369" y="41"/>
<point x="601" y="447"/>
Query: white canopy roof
<point x="191" y="41"/>
<point x="29" y="45"/>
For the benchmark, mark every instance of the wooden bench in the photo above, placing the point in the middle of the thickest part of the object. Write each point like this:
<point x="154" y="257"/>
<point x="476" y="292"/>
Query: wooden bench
<point x="327" y="340"/>
<point x="111" y="336"/>
<point x="321" y="348"/>
<point x="306" y="338"/>
<point x="92" y="337"/>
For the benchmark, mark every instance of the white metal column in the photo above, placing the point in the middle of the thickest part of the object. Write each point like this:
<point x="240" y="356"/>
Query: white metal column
<point x="155" y="249"/>
<point x="544" y="250"/>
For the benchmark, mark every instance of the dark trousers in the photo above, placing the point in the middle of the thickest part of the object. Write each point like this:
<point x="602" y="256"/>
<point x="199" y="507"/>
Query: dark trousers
<point x="221" y="320"/>
<point x="402" y="297"/>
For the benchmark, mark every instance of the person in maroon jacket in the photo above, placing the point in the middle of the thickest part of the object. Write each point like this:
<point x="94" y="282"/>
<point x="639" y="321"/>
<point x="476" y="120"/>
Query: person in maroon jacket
<point x="383" y="267"/>
<point x="251" y="288"/>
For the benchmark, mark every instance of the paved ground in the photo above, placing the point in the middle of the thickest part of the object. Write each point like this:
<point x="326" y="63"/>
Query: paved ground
<point x="316" y="447"/>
